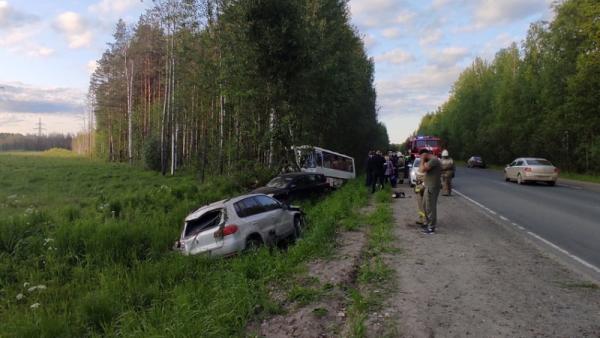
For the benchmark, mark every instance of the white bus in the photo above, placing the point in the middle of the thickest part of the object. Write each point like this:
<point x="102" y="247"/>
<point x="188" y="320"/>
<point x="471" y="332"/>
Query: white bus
<point x="337" y="167"/>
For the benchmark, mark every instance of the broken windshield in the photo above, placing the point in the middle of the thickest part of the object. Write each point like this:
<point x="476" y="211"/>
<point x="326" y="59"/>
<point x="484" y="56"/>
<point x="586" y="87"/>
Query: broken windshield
<point x="208" y="220"/>
<point x="279" y="182"/>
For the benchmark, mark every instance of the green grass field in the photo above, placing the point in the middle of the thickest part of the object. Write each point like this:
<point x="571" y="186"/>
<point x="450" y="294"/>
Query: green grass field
<point x="97" y="237"/>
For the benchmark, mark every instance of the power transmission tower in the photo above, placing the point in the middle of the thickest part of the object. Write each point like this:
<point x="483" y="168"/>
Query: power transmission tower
<point x="39" y="127"/>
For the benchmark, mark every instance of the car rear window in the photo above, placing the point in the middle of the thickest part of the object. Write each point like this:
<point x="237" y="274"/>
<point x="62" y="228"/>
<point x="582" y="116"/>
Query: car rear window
<point x="539" y="162"/>
<point x="206" y="221"/>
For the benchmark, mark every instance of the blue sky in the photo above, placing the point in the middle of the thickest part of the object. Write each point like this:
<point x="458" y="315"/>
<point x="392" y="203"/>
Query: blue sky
<point x="48" y="50"/>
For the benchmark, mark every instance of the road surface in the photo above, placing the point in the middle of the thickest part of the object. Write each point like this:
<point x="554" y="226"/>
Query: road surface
<point x="565" y="215"/>
<point x="478" y="277"/>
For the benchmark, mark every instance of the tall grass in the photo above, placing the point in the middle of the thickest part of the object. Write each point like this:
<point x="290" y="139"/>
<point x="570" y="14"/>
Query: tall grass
<point x="98" y="237"/>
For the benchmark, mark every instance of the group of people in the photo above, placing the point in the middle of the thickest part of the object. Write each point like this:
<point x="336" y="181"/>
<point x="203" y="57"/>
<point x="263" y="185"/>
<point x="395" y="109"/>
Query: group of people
<point x="433" y="176"/>
<point x="382" y="169"/>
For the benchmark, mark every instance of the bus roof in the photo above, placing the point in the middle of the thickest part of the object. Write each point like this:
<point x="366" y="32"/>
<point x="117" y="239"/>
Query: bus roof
<point x="326" y="150"/>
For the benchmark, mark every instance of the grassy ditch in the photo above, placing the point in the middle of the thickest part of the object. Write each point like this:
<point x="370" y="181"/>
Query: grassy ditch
<point x="375" y="278"/>
<point x="85" y="251"/>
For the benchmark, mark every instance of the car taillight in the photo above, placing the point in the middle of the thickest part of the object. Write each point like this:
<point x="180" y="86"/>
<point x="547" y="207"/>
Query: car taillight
<point x="528" y="170"/>
<point x="226" y="231"/>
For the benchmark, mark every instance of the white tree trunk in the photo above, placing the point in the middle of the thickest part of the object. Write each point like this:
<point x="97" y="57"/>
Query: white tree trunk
<point x="129" y="78"/>
<point x="272" y="136"/>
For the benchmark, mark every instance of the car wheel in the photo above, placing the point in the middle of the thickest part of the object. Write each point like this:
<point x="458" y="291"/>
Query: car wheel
<point x="520" y="179"/>
<point x="298" y="227"/>
<point x="506" y="178"/>
<point x="552" y="183"/>
<point x="253" y="244"/>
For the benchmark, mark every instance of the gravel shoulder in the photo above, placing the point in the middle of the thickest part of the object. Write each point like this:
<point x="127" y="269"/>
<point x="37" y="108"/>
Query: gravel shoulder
<point x="477" y="277"/>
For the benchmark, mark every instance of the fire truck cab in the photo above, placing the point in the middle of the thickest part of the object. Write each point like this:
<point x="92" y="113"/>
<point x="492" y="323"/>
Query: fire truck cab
<point x="417" y="143"/>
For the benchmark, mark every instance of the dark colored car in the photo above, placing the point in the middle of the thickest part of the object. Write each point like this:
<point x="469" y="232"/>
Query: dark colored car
<point x="476" y="162"/>
<point x="293" y="186"/>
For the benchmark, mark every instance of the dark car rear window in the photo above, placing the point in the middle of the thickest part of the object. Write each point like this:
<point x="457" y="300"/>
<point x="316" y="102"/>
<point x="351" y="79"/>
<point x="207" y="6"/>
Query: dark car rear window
<point x="208" y="220"/>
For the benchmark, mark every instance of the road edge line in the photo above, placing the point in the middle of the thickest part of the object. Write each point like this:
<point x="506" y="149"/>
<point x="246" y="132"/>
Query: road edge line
<point x="532" y="234"/>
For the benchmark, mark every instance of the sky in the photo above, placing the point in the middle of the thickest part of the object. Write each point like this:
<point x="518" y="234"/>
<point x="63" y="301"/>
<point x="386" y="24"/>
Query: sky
<point x="48" y="49"/>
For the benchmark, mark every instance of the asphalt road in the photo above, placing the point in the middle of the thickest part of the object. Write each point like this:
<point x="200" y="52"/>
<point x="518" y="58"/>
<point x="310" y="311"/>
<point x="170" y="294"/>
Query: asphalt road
<point x="565" y="215"/>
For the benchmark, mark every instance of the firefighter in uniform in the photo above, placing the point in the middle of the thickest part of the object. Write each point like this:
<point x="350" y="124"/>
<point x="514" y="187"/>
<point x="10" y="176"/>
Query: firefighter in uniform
<point x="447" y="173"/>
<point x="419" y="191"/>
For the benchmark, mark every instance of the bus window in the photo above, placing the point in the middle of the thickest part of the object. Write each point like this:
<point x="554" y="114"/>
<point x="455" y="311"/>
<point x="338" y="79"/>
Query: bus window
<point x="327" y="160"/>
<point x="307" y="159"/>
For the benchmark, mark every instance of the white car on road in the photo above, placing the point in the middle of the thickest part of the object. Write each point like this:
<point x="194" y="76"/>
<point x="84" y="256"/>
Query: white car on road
<point x="413" y="171"/>
<point x="227" y="227"/>
<point x="531" y="169"/>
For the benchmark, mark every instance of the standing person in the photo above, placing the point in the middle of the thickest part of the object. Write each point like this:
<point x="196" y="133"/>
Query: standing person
<point x="407" y="161"/>
<point x="369" y="165"/>
<point x="400" y="167"/>
<point x="447" y="173"/>
<point x="394" y="178"/>
<point x="432" y="168"/>
<point x="419" y="191"/>
<point x="389" y="170"/>
<point x="378" y="171"/>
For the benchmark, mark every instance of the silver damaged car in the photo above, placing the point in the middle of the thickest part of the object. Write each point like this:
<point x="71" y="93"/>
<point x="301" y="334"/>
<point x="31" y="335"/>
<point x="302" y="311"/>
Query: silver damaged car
<point x="227" y="227"/>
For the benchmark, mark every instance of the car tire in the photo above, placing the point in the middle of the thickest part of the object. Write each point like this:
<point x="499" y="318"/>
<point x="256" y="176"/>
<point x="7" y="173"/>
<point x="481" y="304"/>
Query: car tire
<point x="253" y="244"/>
<point x="298" y="227"/>
<point x="520" y="180"/>
<point x="552" y="183"/>
<point x="506" y="178"/>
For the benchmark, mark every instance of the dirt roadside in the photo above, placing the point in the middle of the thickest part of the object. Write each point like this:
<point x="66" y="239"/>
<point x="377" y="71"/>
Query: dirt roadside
<point x="478" y="278"/>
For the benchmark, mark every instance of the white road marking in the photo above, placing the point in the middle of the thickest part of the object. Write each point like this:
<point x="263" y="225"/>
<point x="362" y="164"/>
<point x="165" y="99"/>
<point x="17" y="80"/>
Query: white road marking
<point x="547" y="242"/>
<point x="580" y="260"/>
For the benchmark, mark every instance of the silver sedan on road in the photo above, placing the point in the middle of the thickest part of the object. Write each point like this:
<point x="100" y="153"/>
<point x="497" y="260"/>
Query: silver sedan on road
<point x="530" y="169"/>
<point x="230" y="226"/>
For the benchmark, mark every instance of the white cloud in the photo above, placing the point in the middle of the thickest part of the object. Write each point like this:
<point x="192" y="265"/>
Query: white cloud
<point x="405" y="17"/>
<point x="378" y="13"/>
<point x="114" y="7"/>
<point x="449" y="56"/>
<point x="391" y="33"/>
<point x="11" y="17"/>
<point x="91" y="66"/>
<point x="491" y="12"/>
<point x="437" y="4"/>
<point x="369" y="41"/>
<point x="430" y="37"/>
<point x="16" y="97"/>
<point x="75" y="29"/>
<point x="21" y="40"/>
<point x="40" y="52"/>
<point x="395" y="56"/>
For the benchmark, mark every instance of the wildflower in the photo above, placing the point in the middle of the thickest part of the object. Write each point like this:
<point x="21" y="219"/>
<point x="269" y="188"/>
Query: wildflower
<point x="35" y="305"/>
<point x="37" y="287"/>
<point x="20" y="296"/>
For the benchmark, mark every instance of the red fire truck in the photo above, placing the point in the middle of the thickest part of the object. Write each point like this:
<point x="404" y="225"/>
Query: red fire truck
<point x="415" y="144"/>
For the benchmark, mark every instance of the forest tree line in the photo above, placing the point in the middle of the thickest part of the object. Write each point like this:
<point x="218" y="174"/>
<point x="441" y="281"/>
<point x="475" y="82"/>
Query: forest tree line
<point x="31" y="142"/>
<point x="227" y="85"/>
<point x="541" y="98"/>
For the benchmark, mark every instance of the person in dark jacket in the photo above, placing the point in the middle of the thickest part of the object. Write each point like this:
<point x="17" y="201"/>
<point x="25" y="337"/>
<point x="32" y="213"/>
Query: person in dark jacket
<point x="378" y="166"/>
